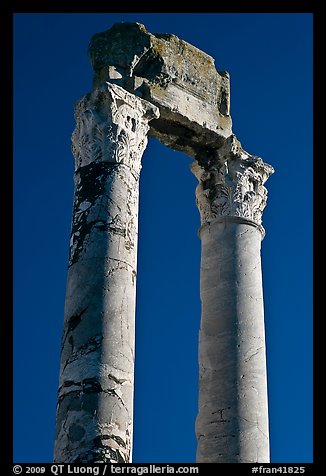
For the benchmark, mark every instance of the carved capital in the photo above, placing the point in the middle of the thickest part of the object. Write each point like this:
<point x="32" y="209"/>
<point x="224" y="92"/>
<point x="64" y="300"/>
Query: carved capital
<point x="111" y="126"/>
<point x="231" y="184"/>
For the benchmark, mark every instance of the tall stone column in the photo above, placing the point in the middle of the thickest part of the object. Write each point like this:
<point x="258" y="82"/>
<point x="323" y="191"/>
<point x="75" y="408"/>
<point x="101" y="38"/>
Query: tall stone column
<point x="95" y="398"/>
<point x="232" y="422"/>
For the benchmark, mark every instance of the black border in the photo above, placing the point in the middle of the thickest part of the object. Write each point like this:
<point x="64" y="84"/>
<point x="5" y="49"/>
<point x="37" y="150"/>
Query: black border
<point x="7" y="12"/>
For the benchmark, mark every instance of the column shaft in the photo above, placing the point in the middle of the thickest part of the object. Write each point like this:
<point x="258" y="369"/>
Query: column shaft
<point x="232" y="421"/>
<point x="95" y="398"/>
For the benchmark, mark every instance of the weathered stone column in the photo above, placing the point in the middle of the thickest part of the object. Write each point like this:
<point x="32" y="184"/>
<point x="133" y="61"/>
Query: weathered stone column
<point x="232" y="422"/>
<point x="145" y="72"/>
<point x="95" y="399"/>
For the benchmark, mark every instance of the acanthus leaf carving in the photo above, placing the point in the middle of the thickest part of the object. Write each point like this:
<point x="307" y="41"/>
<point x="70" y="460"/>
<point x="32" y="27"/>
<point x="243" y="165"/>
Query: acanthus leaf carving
<point x="231" y="184"/>
<point x="111" y="126"/>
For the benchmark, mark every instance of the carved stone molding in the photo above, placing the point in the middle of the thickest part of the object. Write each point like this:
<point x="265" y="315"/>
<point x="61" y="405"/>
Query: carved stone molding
<point x="111" y="126"/>
<point x="231" y="184"/>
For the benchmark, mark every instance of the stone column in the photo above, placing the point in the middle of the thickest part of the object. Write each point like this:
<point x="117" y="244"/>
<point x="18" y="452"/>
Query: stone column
<point x="95" y="398"/>
<point x="232" y="422"/>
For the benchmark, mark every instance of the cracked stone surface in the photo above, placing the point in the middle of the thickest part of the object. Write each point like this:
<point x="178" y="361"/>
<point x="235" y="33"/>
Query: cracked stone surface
<point x="232" y="421"/>
<point x="95" y="397"/>
<point x="193" y="97"/>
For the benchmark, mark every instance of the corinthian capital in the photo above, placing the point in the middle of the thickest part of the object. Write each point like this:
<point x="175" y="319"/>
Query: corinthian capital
<point x="111" y="126"/>
<point x="231" y="184"/>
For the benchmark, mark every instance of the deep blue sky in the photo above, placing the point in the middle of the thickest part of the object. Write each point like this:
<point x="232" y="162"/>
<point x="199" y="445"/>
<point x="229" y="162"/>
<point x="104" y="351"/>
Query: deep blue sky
<point x="269" y="58"/>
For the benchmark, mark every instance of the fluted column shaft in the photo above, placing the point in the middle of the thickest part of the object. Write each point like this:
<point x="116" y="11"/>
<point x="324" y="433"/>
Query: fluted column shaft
<point x="232" y="421"/>
<point x="95" y="398"/>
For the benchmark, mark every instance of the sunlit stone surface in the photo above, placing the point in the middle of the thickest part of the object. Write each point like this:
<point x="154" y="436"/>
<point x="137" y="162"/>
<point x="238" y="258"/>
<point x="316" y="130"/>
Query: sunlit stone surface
<point x="158" y="84"/>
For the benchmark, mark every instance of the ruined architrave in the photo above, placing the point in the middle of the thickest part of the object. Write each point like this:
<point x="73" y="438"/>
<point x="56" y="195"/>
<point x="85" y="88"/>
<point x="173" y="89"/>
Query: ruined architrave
<point x="161" y="86"/>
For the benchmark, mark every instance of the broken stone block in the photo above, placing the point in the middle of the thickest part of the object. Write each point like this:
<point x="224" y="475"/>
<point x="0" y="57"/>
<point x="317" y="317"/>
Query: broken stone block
<point x="192" y="96"/>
